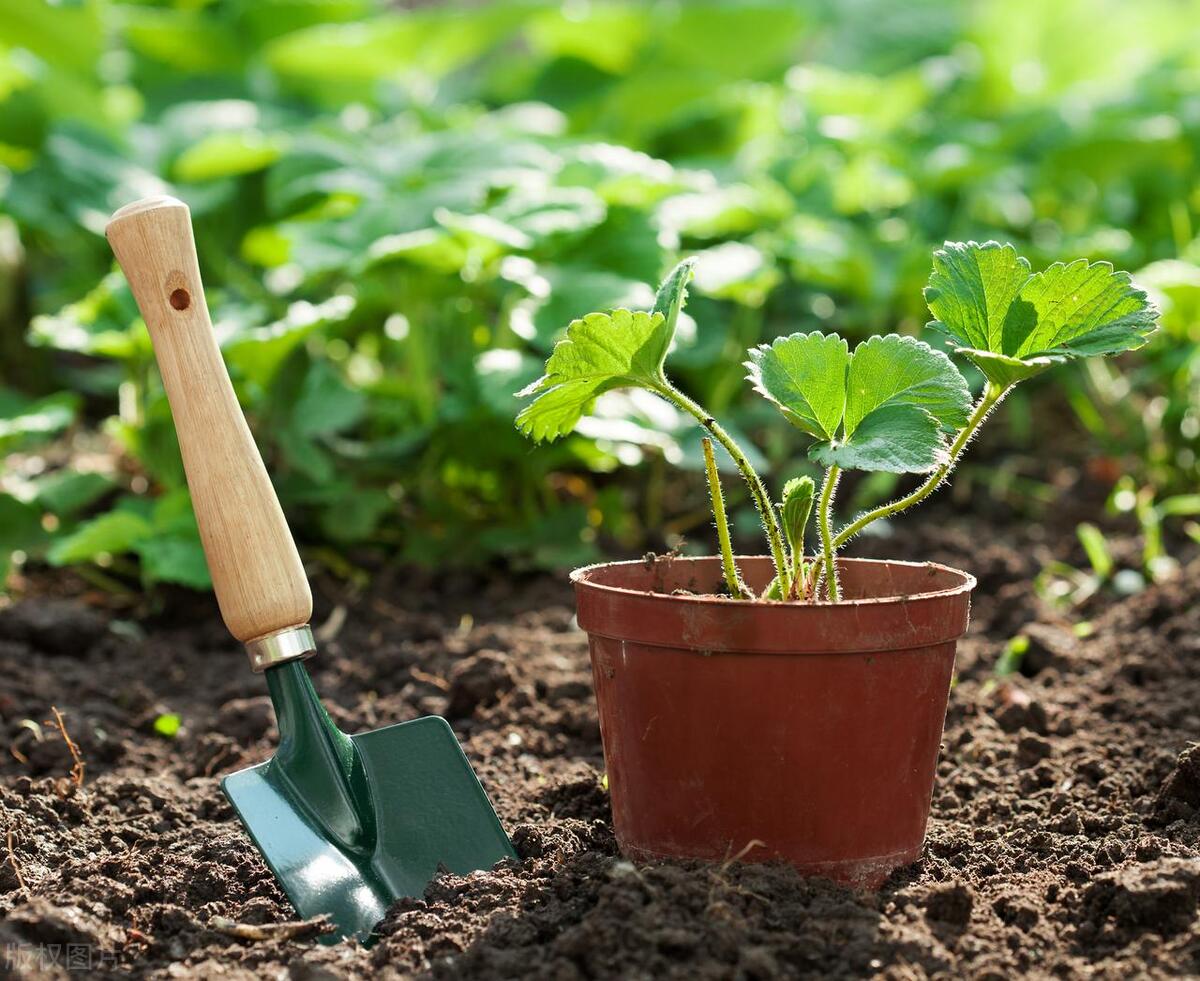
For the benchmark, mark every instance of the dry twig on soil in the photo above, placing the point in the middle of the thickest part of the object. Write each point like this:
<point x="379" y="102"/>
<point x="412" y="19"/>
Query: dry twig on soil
<point x="78" y="767"/>
<point x="430" y="679"/>
<point x="271" y="931"/>
<point x="12" y="860"/>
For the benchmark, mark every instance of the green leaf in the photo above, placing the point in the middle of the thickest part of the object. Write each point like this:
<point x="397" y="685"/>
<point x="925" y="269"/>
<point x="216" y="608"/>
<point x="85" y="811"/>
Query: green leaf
<point x="109" y="534"/>
<point x="105" y="323"/>
<point x="432" y="42"/>
<point x="22" y="419"/>
<point x="672" y="294"/>
<point x="1014" y="324"/>
<point x="1180" y="504"/>
<point x="1096" y="547"/>
<point x="737" y="271"/>
<point x="547" y="214"/>
<point x="359" y="523"/>
<point x="67" y="492"/>
<point x="805" y="376"/>
<point x="572" y="290"/>
<point x="601" y="352"/>
<point x="1080" y="309"/>
<point x="20" y="525"/>
<point x="429" y="248"/>
<point x="257" y="352"/>
<point x="20" y="530"/>
<point x="972" y="289"/>
<point x="228" y="155"/>
<point x="901" y="397"/>
<point x="1001" y="370"/>
<point x="188" y="40"/>
<point x="892" y="401"/>
<point x="902" y="370"/>
<point x="174" y="558"/>
<point x="326" y="403"/>
<point x="895" y="438"/>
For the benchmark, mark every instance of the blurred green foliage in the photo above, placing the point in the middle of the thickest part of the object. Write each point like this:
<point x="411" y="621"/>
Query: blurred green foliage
<point x="398" y="211"/>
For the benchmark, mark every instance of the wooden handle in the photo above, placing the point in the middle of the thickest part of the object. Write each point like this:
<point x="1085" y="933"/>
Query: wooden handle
<point x="256" y="571"/>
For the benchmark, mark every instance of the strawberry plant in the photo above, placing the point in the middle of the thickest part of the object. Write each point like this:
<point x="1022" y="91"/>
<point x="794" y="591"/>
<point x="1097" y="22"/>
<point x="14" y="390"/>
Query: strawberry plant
<point x="893" y="403"/>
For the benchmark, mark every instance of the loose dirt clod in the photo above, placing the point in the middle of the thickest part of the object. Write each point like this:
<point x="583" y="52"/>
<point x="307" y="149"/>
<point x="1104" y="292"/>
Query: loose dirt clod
<point x="477" y="680"/>
<point x="1162" y="896"/>
<point x="1179" y="796"/>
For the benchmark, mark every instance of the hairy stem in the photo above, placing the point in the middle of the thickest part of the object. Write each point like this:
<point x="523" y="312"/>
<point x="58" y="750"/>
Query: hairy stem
<point x="828" y="545"/>
<point x="732" y="579"/>
<point x="991" y="397"/>
<point x="762" y="500"/>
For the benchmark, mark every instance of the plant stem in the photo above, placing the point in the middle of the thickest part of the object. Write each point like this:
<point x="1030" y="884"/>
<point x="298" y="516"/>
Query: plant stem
<point x="989" y="400"/>
<point x="732" y="579"/>
<point x="762" y="500"/>
<point x="828" y="545"/>
<point x="797" y="568"/>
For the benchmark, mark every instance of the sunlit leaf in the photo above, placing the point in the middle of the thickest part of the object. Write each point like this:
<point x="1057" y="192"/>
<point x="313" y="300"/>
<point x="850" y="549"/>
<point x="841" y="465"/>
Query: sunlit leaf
<point x="24" y="419"/>
<point x="885" y="407"/>
<point x="227" y="155"/>
<point x="109" y="534"/>
<point x="1014" y="324"/>
<point x="174" y="559"/>
<point x="67" y="492"/>
<point x="600" y="352"/>
<point x="805" y="376"/>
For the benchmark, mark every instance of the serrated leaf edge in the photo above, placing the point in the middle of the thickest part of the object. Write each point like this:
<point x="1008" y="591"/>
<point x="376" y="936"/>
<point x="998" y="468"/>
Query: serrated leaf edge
<point x="754" y="368"/>
<point x="913" y="342"/>
<point x="547" y="383"/>
<point x="1054" y="354"/>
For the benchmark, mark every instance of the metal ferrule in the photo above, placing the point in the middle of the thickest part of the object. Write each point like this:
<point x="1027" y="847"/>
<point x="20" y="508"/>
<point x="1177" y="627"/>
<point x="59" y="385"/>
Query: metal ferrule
<point x="291" y="644"/>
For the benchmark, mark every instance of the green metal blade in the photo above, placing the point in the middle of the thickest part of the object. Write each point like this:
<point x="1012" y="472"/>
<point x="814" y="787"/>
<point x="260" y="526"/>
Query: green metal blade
<point x="350" y="824"/>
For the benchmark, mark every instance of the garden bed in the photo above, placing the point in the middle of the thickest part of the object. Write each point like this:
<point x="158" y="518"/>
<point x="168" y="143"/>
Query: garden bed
<point x="1064" y="840"/>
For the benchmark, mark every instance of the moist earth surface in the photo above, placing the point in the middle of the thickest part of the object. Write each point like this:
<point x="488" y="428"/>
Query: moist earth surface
<point x="1064" y="838"/>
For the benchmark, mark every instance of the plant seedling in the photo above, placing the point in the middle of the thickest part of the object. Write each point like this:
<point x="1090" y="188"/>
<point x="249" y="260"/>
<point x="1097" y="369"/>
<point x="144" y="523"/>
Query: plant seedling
<point x="893" y="403"/>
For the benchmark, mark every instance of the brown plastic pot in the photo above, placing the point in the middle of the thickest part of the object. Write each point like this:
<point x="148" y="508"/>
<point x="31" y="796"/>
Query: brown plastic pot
<point x="764" y="731"/>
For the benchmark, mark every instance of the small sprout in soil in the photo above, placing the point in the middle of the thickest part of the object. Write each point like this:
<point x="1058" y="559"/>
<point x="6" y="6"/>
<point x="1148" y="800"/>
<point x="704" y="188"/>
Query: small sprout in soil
<point x="892" y="404"/>
<point x="168" y="725"/>
<point x="1012" y="655"/>
<point x="25" y="726"/>
<point x="1095" y="545"/>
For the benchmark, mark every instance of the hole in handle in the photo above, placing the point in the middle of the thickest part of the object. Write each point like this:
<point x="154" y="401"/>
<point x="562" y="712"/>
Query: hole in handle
<point x="181" y="299"/>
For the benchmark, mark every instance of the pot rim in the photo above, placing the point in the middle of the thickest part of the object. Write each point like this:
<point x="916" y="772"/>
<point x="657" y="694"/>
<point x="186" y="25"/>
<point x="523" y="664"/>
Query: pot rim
<point x="967" y="584"/>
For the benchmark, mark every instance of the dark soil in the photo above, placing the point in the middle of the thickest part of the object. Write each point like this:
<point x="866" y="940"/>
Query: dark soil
<point x="1065" y="837"/>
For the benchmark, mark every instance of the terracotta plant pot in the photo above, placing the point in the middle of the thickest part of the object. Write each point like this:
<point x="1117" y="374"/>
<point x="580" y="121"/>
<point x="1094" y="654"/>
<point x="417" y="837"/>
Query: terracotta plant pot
<point x="764" y="731"/>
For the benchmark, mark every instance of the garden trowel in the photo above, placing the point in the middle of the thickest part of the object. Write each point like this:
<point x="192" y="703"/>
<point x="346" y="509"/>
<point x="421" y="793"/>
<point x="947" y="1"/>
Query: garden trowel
<point x="347" y="823"/>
